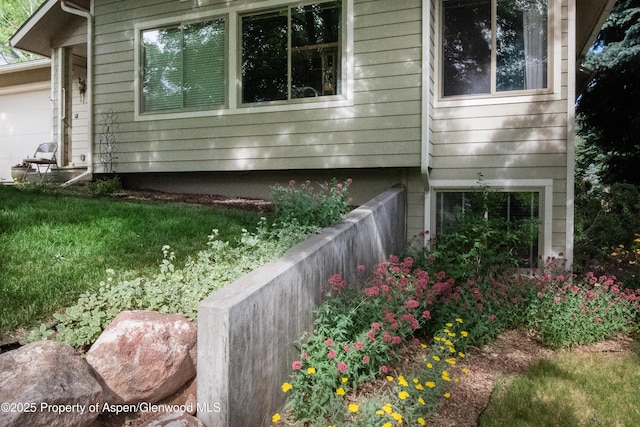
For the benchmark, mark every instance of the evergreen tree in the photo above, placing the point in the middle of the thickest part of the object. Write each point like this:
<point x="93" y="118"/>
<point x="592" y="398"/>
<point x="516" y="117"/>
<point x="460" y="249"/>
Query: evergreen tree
<point x="608" y="110"/>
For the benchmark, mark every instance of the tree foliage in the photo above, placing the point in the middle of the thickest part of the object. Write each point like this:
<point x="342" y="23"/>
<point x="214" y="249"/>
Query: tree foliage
<point x="608" y="110"/>
<point x="13" y="13"/>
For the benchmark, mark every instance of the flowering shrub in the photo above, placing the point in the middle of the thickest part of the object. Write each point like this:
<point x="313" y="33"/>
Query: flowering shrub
<point x="308" y="205"/>
<point x="356" y="334"/>
<point x="573" y="312"/>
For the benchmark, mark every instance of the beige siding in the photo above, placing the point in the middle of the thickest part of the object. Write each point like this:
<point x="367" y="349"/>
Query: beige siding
<point x="517" y="138"/>
<point x="380" y="126"/>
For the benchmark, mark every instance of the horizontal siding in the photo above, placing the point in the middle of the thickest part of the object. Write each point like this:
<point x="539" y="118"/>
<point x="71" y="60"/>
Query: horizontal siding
<point x="383" y="122"/>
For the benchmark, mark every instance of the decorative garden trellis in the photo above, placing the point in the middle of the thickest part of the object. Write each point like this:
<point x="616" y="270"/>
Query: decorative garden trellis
<point x="107" y="141"/>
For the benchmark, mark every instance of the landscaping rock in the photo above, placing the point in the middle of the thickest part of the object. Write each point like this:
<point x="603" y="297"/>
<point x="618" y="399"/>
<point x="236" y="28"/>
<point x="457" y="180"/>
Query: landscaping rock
<point x="174" y="419"/>
<point x="47" y="383"/>
<point x="144" y="356"/>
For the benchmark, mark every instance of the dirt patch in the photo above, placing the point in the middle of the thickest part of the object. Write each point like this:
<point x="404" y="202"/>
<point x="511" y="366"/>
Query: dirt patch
<point x="255" y="205"/>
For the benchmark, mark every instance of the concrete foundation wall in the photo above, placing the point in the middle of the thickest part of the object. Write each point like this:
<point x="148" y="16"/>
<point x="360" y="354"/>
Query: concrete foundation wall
<point x="246" y="331"/>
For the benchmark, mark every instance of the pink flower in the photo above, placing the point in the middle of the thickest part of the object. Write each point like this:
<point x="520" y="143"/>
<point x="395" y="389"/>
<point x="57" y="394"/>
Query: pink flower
<point x="426" y="314"/>
<point x="332" y="354"/>
<point x="372" y="291"/>
<point x="397" y="340"/>
<point x="304" y="356"/>
<point x="375" y="326"/>
<point x="349" y="181"/>
<point x="359" y="345"/>
<point x="366" y="359"/>
<point x="556" y="299"/>
<point x="384" y="369"/>
<point x="342" y="367"/>
<point x="361" y="267"/>
<point x="346" y="348"/>
<point x="297" y="365"/>
<point x="412" y="304"/>
<point x="371" y="335"/>
<point x="329" y="342"/>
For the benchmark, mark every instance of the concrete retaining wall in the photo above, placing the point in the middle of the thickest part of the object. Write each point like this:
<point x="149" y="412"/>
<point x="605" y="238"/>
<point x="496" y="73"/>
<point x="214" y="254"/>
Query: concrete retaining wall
<point x="246" y="331"/>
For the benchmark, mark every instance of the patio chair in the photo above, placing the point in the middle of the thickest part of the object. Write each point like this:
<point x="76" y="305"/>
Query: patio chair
<point x="43" y="160"/>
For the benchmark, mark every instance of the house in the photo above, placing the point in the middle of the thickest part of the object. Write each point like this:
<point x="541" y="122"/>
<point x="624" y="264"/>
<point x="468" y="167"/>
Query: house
<point x="25" y="111"/>
<point x="230" y="97"/>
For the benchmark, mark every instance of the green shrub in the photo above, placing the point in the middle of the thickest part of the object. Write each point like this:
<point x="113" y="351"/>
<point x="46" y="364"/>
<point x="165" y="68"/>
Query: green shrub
<point x="105" y="187"/>
<point x="319" y="206"/>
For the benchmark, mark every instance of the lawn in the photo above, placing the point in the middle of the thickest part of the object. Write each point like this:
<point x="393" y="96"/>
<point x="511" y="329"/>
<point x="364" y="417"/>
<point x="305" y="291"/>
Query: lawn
<point x="570" y="389"/>
<point x="56" y="245"/>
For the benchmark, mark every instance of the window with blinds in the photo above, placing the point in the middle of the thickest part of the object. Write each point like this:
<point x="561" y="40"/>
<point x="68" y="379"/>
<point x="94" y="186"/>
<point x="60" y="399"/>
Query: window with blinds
<point x="184" y="67"/>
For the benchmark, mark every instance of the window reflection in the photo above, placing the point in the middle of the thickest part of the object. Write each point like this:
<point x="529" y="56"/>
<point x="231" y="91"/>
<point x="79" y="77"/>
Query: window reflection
<point x="519" y="36"/>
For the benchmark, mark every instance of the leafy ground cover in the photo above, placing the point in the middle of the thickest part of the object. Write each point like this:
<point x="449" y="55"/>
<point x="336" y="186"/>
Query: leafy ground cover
<point x="55" y="245"/>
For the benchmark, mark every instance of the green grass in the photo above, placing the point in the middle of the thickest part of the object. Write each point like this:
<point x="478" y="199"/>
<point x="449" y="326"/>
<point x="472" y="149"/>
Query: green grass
<point x="54" y="246"/>
<point x="599" y="389"/>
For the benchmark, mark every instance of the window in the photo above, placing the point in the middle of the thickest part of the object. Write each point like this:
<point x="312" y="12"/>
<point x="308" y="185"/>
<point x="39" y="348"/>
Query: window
<point x="292" y="52"/>
<point x="184" y="67"/>
<point x="494" y="46"/>
<point x="514" y="215"/>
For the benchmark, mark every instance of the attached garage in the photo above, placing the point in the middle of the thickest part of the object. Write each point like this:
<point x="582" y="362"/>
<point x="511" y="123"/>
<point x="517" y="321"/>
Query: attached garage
<point x="25" y="111"/>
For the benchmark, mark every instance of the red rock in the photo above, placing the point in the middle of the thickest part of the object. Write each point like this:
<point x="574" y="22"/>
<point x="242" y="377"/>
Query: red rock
<point x="144" y="356"/>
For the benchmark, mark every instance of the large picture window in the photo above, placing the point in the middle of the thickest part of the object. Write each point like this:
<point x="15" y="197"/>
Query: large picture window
<point x="184" y="67"/>
<point x="292" y="52"/>
<point x="493" y="46"/>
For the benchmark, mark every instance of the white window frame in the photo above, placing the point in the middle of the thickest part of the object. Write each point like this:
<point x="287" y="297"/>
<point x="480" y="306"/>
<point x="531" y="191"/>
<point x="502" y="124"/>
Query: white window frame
<point x="544" y="187"/>
<point x="554" y="60"/>
<point x="234" y="106"/>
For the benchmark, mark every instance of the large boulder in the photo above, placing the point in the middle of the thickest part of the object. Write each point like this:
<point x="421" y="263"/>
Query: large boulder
<point x="144" y="356"/>
<point x="47" y="383"/>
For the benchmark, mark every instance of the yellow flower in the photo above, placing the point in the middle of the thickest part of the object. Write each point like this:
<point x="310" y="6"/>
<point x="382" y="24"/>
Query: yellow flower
<point x="353" y="407"/>
<point x="447" y="395"/>
<point x="461" y="354"/>
<point x="445" y="376"/>
<point x="423" y="345"/>
<point x="421" y="400"/>
<point x="430" y="384"/>
<point x="389" y="378"/>
<point x="402" y="381"/>
<point x="344" y="379"/>
<point x="387" y="425"/>
<point x="465" y="371"/>
<point x="311" y="371"/>
<point x="275" y="418"/>
<point x="429" y="365"/>
<point x="451" y="361"/>
<point x="397" y="417"/>
<point x="464" y="333"/>
<point x="459" y="320"/>
<point x="340" y="392"/>
<point x="419" y="387"/>
<point x="403" y="395"/>
<point x="436" y="358"/>
<point x="387" y="408"/>
<point x="452" y="350"/>
<point x="448" y="325"/>
<point x="416" y="381"/>
<point x="379" y="412"/>
<point x="437" y="338"/>
<point x="286" y="387"/>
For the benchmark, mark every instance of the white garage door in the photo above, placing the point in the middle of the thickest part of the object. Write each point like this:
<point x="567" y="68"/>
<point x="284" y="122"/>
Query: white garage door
<point x="25" y="122"/>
